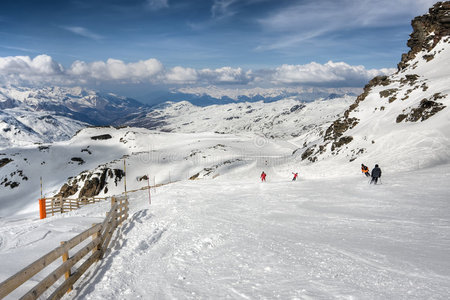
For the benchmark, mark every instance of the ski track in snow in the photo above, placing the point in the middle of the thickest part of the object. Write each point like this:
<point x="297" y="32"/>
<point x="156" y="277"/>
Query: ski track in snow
<point x="241" y="240"/>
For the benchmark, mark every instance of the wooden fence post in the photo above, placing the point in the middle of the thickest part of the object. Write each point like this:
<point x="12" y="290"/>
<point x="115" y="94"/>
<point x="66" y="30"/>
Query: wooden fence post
<point x="61" y="204"/>
<point x="65" y="257"/>
<point x="99" y="246"/>
<point x="113" y="202"/>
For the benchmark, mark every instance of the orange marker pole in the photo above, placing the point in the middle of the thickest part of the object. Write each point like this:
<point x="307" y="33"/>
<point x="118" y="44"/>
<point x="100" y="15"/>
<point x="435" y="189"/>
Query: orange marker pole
<point x="42" y="209"/>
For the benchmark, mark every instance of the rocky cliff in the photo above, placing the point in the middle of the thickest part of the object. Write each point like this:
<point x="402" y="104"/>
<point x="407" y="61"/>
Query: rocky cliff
<point x="428" y="30"/>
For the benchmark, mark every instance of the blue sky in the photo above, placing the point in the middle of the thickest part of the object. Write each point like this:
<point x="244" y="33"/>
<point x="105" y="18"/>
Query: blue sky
<point x="200" y="42"/>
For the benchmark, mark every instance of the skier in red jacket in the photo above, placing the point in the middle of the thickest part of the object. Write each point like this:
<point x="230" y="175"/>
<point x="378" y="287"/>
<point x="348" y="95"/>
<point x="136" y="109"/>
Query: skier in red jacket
<point x="263" y="176"/>
<point x="295" y="176"/>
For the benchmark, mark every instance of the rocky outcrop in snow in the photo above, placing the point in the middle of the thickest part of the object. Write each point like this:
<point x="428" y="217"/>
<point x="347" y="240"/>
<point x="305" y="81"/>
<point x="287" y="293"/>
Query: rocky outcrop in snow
<point x="428" y="30"/>
<point x="91" y="183"/>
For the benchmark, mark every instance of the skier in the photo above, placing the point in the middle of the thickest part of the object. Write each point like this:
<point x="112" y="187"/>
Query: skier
<point x="295" y="176"/>
<point x="365" y="170"/>
<point x="263" y="176"/>
<point x="376" y="173"/>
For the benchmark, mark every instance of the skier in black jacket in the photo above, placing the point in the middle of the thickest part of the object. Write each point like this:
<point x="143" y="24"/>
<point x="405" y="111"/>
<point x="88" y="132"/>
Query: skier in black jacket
<point x="376" y="173"/>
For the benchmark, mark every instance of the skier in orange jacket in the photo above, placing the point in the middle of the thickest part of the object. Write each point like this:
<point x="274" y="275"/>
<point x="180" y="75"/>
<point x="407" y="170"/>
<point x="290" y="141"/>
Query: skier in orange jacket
<point x="365" y="170"/>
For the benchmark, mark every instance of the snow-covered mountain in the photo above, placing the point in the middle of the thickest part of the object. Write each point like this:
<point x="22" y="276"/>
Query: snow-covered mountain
<point x="44" y="115"/>
<point x="205" y="96"/>
<point x="41" y="115"/>
<point x="281" y="119"/>
<point x="23" y="128"/>
<point x="402" y="120"/>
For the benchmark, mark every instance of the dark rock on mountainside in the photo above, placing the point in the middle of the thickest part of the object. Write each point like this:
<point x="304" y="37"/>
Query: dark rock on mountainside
<point x="102" y="137"/>
<point x="426" y="109"/>
<point x="338" y="127"/>
<point x="91" y="183"/>
<point x="78" y="160"/>
<point x="428" y="30"/>
<point x="5" y="161"/>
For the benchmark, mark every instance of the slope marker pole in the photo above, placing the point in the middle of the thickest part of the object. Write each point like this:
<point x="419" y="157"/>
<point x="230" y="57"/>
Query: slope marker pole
<point x="149" y="194"/>
<point x="125" y="175"/>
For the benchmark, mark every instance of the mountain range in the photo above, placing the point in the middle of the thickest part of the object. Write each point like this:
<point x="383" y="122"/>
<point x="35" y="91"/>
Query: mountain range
<point x="399" y="121"/>
<point x="44" y="115"/>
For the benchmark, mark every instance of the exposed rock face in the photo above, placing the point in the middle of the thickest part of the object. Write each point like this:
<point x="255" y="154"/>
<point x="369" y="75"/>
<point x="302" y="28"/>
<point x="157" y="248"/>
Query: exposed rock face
<point x="102" y="137"/>
<point x="93" y="187"/>
<point x="91" y="184"/>
<point x="426" y="109"/>
<point x="68" y="190"/>
<point x="5" y="161"/>
<point x="428" y="30"/>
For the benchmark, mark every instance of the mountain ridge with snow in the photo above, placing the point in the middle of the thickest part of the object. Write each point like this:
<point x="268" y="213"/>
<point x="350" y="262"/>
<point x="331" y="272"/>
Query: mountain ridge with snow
<point x="406" y="113"/>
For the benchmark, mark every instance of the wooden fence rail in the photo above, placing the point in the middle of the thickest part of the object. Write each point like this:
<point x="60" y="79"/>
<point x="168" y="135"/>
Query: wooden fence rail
<point x="57" y="205"/>
<point x="101" y="235"/>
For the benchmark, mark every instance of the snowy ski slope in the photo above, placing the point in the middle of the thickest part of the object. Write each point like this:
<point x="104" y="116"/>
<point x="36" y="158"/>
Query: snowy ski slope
<point x="234" y="237"/>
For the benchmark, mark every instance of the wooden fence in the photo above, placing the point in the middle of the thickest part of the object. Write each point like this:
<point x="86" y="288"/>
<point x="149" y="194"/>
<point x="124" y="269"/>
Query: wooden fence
<point x="57" y="205"/>
<point x="101" y="235"/>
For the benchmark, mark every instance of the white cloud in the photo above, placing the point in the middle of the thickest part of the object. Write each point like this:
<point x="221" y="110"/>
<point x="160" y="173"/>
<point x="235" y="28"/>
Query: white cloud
<point x="307" y="20"/>
<point x="17" y="69"/>
<point x="157" y="4"/>
<point x="226" y="75"/>
<point x="331" y="72"/>
<point x="114" y="69"/>
<point x="84" y="32"/>
<point x="181" y="75"/>
<point x="40" y="65"/>
<point x="44" y="70"/>
<point x="222" y="8"/>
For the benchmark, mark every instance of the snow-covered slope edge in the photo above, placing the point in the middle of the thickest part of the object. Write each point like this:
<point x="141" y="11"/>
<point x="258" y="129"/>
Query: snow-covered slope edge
<point x="92" y="163"/>
<point x="403" y="120"/>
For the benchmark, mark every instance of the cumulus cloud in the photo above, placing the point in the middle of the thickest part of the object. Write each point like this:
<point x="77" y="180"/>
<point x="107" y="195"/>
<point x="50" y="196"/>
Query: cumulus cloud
<point x="17" y="69"/>
<point x="44" y="70"/>
<point x="114" y="69"/>
<point x="226" y="75"/>
<point x="331" y="72"/>
<point x="181" y="75"/>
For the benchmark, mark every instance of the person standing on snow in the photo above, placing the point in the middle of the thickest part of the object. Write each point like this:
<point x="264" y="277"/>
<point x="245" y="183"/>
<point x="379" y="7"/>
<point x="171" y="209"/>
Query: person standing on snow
<point x="263" y="176"/>
<point x="365" y="170"/>
<point x="295" y="176"/>
<point x="376" y="173"/>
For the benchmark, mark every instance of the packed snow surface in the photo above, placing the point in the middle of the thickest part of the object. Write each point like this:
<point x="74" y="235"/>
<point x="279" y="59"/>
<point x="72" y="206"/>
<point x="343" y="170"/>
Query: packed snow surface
<point x="235" y="237"/>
